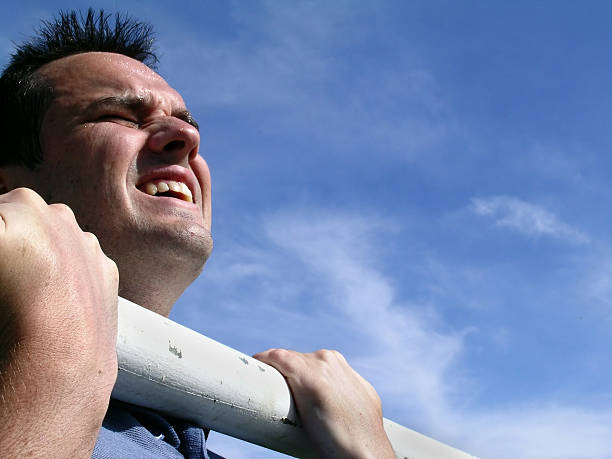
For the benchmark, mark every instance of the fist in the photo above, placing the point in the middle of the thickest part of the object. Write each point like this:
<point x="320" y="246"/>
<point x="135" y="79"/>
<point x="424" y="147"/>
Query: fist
<point x="58" y="330"/>
<point x="58" y="289"/>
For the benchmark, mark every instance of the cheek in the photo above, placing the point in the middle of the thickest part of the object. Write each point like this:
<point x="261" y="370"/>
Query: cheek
<point x="109" y="146"/>
<point x="91" y="165"/>
<point x="202" y="173"/>
<point x="110" y="153"/>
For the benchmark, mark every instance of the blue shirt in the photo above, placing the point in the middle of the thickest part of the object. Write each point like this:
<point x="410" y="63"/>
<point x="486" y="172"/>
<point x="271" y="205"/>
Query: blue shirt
<point x="130" y="431"/>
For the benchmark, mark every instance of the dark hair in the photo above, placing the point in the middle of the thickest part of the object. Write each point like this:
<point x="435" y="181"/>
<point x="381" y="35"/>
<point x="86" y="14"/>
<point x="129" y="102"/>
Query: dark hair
<point x="25" y="96"/>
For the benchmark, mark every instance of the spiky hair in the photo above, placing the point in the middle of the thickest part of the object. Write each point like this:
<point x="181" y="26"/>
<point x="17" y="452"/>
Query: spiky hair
<point x="25" y="96"/>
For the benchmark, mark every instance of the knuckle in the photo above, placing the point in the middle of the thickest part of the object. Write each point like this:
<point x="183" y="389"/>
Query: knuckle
<point x="63" y="209"/>
<point x="284" y="359"/>
<point x="91" y="237"/>
<point x="26" y="195"/>
<point x="112" y="267"/>
<point x="280" y="354"/>
<point x="92" y="242"/>
<point x="329" y="355"/>
<point x="321" y="353"/>
<point x="111" y="264"/>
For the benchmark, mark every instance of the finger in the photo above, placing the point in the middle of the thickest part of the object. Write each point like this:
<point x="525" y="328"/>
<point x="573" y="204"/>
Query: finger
<point x="62" y="210"/>
<point x="112" y="270"/>
<point x="91" y="240"/>
<point x="286" y="361"/>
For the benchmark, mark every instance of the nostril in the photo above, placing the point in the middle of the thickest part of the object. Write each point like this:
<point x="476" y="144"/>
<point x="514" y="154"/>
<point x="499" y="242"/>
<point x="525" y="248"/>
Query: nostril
<point x="174" y="145"/>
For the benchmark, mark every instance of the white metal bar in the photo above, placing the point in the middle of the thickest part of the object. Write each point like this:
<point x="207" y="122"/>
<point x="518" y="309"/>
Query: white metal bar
<point x="170" y="368"/>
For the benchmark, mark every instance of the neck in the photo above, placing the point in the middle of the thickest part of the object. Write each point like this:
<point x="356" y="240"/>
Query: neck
<point x="155" y="286"/>
<point x="150" y="296"/>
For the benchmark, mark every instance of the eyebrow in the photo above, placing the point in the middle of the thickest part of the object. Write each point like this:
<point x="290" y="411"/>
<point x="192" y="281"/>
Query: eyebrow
<point x="138" y="104"/>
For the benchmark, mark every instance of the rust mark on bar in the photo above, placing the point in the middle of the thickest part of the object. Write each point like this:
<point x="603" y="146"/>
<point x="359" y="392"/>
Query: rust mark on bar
<point x="175" y="350"/>
<point x="288" y="421"/>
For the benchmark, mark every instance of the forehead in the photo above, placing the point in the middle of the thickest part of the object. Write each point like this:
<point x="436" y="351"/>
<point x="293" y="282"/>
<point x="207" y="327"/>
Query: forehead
<point x="82" y="78"/>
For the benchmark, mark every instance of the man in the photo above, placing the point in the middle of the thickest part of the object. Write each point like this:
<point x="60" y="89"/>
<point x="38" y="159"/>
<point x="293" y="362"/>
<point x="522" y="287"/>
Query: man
<point x="90" y="131"/>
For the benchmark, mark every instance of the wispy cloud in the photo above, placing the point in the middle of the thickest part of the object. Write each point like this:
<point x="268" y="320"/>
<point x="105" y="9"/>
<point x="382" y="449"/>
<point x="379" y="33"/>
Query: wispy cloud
<point x="319" y="274"/>
<point x="526" y="218"/>
<point x="407" y="354"/>
<point x="539" y="432"/>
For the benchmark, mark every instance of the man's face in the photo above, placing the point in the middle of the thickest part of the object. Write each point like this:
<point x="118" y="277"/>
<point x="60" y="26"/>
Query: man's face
<point x="121" y="150"/>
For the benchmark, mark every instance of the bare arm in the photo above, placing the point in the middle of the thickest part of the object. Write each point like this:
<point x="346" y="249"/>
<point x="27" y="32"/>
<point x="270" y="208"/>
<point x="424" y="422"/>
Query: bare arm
<point x="340" y="411"/>
<point x="58" y="322"/>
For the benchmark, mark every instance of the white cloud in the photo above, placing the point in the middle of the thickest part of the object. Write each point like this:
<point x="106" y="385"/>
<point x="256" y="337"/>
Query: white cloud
<point x="526" y="218"/>
<point x="539" y="432"/>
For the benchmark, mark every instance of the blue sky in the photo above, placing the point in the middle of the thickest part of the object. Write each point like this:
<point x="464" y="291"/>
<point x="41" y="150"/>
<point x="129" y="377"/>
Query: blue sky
<point x="423" y="185"/>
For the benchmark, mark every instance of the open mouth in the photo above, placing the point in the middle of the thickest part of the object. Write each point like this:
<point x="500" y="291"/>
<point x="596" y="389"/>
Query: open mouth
<point x="167" y="188"/>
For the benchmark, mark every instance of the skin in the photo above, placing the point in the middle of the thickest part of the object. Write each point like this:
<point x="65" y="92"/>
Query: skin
<point x="114" y="124"/>
<point x="341" y="412"/>
<point x="59" y="325"/>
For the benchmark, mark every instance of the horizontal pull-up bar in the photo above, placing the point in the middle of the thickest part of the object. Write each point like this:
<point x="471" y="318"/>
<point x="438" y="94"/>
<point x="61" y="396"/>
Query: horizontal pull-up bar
<point x="170" y="368"/>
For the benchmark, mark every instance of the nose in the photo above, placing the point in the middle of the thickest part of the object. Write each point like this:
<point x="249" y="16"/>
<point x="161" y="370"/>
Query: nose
<point x="174" y="139"/>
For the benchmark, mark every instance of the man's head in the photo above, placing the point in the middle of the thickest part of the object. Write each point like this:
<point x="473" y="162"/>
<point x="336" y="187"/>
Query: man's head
<point x="108" y="136"/>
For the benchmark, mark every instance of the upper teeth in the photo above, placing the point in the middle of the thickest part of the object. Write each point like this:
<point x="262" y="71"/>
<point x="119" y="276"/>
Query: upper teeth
<point x="161" y="186"/>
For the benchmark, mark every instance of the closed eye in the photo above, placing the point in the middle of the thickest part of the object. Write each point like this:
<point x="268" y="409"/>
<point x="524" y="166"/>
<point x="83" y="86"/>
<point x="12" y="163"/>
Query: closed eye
<point x="120" y="119"/>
